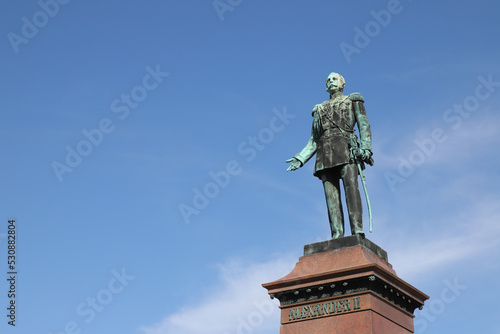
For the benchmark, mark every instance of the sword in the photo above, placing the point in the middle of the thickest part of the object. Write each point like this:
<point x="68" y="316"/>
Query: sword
<point x="355" y="153"/>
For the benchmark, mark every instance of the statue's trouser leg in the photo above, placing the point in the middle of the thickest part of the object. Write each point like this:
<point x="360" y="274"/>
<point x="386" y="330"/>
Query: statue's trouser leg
<point x="349" y="175"/>
<point x="332" y="193"/>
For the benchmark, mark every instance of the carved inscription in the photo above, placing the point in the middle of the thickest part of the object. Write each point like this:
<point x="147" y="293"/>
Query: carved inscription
<point x="324" y="309"/>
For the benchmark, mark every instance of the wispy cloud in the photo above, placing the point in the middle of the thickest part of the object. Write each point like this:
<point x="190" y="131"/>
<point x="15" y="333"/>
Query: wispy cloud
<point x="467" y="234"/>
<point x="465" y="224"/>
<point x="474" y="136"/>
<point x="239" y="305"/>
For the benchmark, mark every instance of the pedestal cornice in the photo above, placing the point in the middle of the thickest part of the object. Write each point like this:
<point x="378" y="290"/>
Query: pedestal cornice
<point x="345" y="278"/>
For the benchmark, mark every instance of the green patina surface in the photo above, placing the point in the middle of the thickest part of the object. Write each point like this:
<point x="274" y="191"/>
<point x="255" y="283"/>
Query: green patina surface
<point x="340" y="153"/>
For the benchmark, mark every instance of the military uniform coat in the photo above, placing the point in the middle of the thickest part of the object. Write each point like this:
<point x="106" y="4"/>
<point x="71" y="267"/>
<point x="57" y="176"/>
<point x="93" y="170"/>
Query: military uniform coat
<point x="333" y="124"/>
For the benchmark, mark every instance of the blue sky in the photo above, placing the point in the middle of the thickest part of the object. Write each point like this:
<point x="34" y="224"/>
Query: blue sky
<point x="144" y="146"/>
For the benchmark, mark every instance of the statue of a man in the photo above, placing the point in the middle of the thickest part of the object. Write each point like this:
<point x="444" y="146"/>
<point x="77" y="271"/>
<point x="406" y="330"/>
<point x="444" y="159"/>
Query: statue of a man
<point x="332" y="140"/>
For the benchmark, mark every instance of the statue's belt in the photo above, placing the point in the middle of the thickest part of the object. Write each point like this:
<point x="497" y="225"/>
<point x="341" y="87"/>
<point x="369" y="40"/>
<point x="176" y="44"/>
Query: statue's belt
<point x="337" y="132"/>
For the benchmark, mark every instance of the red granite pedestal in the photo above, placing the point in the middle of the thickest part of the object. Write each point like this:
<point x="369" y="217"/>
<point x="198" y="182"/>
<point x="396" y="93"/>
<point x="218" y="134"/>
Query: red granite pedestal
<point x="345" y="285"/>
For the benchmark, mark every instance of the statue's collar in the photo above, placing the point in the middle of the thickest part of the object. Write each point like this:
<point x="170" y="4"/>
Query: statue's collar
<point x="337" y="95"/>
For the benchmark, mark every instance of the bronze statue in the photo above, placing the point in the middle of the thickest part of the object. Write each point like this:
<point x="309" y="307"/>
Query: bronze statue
<point x="339" y="153"/>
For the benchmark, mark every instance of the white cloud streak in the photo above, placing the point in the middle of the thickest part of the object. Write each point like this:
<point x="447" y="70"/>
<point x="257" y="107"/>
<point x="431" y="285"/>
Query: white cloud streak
<point x="239" y="305"/>
<point x="471" y="233"/>
<point x="473" y="135"/>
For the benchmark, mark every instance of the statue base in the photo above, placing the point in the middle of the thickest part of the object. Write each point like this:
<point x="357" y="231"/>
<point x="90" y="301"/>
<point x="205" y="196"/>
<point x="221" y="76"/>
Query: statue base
<point x="345" y="285"/>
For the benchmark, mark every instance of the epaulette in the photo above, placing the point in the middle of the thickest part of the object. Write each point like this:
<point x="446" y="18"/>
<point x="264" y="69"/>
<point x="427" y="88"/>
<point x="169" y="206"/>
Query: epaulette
<point x="316" y="108"/>
<point x="356" y="97"/>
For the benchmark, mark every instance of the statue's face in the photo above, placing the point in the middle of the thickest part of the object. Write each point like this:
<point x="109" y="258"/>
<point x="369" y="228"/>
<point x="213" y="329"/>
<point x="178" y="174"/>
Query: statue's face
<point x="334" y="83"/>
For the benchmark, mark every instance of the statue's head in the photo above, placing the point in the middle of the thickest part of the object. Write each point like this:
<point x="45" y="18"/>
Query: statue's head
<point x="335" y="83"/>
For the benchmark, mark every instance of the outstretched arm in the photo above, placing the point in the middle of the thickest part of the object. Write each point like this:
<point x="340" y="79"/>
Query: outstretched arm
<point x="309" y="150"/>
<point x="301" y="158"/>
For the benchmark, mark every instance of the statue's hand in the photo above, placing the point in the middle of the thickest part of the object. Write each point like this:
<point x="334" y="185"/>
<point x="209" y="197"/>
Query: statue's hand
<point x="295" y="164"/>
<point x="366" y="156"/>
